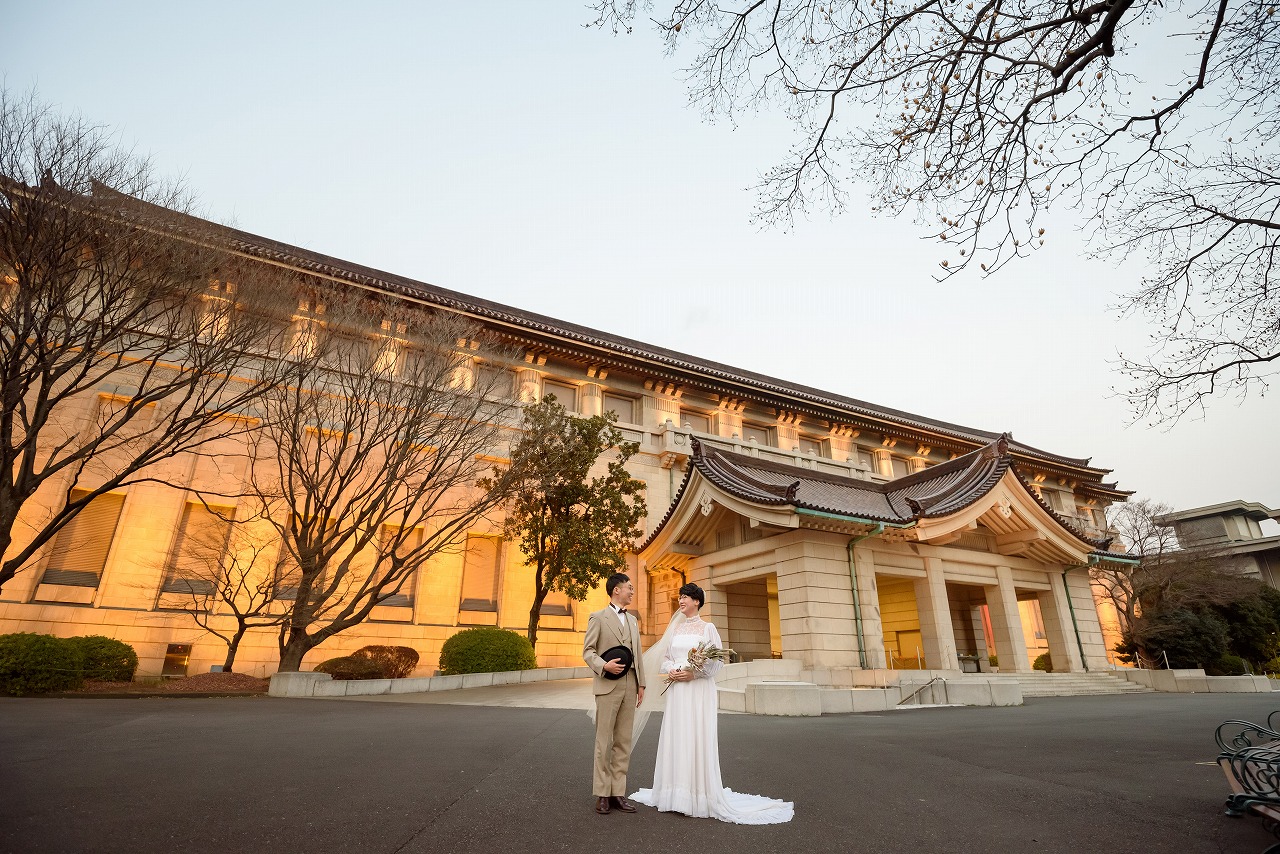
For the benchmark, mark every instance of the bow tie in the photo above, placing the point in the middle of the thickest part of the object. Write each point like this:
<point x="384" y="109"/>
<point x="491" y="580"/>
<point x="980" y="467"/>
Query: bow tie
<point x="622" y="611"/>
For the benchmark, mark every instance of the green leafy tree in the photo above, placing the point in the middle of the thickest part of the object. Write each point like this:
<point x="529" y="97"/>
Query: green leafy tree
<point x="573" y="528"/>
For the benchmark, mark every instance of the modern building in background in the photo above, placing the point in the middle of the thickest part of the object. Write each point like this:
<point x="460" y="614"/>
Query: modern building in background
<point x="823" y="528"/>
<point x="1234" y="533"/>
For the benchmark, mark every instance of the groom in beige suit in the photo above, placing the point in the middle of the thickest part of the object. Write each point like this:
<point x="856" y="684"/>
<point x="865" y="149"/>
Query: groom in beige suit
<point x="616" y="699"/>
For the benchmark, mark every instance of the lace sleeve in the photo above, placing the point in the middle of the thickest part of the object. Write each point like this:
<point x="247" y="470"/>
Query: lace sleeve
<point x="668" y="662"/>
<point x="712" y="668"/>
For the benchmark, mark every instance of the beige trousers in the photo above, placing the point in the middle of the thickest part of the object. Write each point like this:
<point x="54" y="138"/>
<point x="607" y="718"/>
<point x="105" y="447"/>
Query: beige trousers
<point x="615" y="716"/>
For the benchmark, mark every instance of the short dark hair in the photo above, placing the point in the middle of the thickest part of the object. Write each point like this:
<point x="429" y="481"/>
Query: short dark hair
<point x="614" y="581"/>
<point x="693" y="591"/>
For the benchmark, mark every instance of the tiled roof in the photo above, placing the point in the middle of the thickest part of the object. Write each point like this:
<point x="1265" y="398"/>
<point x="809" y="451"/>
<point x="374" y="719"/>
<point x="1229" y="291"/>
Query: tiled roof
<point x="941" y="490"/>
<point x="514" y="320"/>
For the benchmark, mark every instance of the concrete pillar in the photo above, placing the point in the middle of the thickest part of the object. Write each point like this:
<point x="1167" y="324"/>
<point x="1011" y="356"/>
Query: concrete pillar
<point x="729" y="421"/>
<point x="815" y="603"/>
<point x="936" y="629"/>
<point x="1006" y="624"/>
<point x="529" y="385"/>
<point x="1058" y="630"/>
<point x="869" y="600"/>
<point x="590" y="400"/>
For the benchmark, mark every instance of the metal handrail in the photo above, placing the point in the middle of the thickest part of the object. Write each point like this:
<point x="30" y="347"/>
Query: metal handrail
<point x="921" y="688"/>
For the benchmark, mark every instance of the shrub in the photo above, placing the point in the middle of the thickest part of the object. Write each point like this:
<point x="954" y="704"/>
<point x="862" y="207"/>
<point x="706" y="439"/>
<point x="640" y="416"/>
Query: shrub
<point x="1272" y="666"/>
<point x="37" y="664"/>
<point x="396" y="662"/>
<point x="486" y="650"/>
<point x="1228" y="665"/>
<point x="1043" y="662"/>
<point x="104" y="658"/>
<point x="351" y="667"/>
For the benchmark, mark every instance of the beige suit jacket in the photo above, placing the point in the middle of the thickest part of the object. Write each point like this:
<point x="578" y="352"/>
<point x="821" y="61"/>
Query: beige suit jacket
<point x="605" y="631"/>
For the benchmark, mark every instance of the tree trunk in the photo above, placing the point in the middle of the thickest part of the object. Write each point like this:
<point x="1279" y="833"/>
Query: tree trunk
<point x="293" y="651"/>
<point x="535" y="614"/>
<point x="233" y="646"/>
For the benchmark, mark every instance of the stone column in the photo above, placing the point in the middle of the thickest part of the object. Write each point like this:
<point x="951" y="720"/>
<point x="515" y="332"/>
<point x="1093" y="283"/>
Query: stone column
<point x="815" y="605"/>
<point x="1057" y="627"/>
<point x="1006" y="624"/>
<point x="590" y="400"/>
<point x="729" y="420"/>
<point x="936" y="630"/>
<point x="869" y="600"/>
<point x="529" y="385"/>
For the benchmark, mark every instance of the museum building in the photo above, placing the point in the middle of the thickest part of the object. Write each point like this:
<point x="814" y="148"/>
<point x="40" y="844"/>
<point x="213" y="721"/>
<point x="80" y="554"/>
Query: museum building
<point x="824" y="529"/>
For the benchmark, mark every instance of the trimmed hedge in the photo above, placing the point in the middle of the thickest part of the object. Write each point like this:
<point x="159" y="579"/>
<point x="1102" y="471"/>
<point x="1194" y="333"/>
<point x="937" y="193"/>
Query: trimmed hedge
<point x="1228" y="665"/>
<point x="38" y="664"/>
<point x="1043" y="662"/>
<point x="351" y="667"/>
<point x="486" y="650"/>
<point x="105" y="659"/>
<point x="396" y="662"/>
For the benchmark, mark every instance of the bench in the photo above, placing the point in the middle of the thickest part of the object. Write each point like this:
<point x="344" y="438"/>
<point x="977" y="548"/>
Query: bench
<point x="1250" y="760"/>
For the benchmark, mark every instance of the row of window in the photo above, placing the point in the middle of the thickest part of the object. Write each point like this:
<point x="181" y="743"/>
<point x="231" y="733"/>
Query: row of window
<point x="199" y="552"/>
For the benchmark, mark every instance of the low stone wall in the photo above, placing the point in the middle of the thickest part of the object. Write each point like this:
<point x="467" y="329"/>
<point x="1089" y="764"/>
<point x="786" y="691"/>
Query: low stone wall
<point x="312" y="684"/>
<point x="1195" y="682"/>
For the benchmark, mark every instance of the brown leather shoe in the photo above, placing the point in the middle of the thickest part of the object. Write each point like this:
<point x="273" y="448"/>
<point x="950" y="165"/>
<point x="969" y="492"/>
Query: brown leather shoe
<point x="623" y="804"/>
<point x="602" y="806"/>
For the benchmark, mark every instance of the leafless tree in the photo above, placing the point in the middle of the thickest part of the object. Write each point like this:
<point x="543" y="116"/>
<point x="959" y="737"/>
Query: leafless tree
<point x="1157" y="120"/>
<point x="125" y="336"/>
<point x="222" y="574"/>
<point x="1169" y="576"/>
<point x="370" y="464"/>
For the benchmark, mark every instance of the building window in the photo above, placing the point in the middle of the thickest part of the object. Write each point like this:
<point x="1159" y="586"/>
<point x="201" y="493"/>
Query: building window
<point x="556" y="605"/>
<point x="695" y="421"/>
<point x="624" y="407"/>
<point x="411" y="541"/>
<point x="757" y="434"/>
<point x="1050" y="497"/>
<point x="901" y="467"/>
<point x="867" y="459"/>
<point x="480" y="574"/>
<point x="80" y="549"/>
<point x="812" y="447"/>
<point x="494" y="382"/>
<point x="195" y="565"/>
<point x="566" y="395"/>
<point x="1100" y="518"/>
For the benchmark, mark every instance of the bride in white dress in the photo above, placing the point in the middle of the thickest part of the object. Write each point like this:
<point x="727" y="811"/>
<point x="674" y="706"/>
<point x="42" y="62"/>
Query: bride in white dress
<point x="686" y="778"/>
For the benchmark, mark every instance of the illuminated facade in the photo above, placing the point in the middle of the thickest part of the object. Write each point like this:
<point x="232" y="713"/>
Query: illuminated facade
<point x="823" y="528"/>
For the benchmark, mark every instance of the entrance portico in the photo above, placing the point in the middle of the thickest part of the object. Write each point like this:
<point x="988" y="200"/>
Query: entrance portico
<point x="921" y="571"/>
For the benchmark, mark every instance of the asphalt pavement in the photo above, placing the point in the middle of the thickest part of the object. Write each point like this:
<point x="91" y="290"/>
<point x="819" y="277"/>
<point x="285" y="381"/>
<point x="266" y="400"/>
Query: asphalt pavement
<point x="1071" y="774"/>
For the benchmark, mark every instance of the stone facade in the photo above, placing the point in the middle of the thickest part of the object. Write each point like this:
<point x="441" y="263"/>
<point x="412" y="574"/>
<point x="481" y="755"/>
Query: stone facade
<point x="825" y="592"/>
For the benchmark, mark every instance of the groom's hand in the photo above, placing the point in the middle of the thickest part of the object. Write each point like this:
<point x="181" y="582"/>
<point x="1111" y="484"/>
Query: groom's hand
<point x="614" y="666"/>
<point x="640" y="696"/>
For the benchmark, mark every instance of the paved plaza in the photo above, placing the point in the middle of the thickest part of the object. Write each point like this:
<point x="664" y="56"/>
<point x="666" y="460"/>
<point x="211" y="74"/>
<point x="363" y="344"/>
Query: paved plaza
<point x="1071" y="774"/>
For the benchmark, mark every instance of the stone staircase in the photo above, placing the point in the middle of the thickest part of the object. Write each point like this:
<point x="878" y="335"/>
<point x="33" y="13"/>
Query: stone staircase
<point x="1040" y="684"/>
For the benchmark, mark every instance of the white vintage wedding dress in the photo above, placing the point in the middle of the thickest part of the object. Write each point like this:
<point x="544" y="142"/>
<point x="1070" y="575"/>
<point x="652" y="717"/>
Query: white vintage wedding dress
<point x="686" y="778"/>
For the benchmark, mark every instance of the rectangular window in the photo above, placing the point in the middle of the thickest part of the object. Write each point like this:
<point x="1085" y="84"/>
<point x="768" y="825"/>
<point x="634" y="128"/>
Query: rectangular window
<point x="624" y="407"/>
<point x="566" y="395"/>
<point x="195" y="564"/>
<point x="901" y="467"/>
<point x="556" y="605"/>
<point x="1100" y="518"/>
<point x="494" y="382"/>
<point x="812" y="447"/>
<point x="411" y="541"/>
<point x="80" y="549"/>
<point x="480" y="574"/>
<point x="696" y="421"/>
<point x="1051" y="498"/>
<point x="868" y="459"/>
<point x="757" y="434"/>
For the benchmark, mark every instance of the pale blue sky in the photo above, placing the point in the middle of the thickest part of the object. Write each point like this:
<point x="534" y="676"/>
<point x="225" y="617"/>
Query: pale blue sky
<point x="503" y="150"/>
